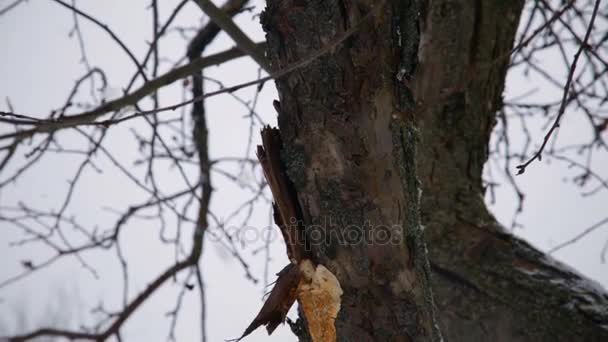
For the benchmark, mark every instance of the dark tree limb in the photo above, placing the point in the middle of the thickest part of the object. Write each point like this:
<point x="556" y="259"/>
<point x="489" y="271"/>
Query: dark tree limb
<point x="223" y="21"/>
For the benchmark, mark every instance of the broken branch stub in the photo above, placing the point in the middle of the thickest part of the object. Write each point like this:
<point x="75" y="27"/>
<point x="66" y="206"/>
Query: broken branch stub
<point x="286" y="207"/>
<point x="317" y="290"/>
<point x="278" y="303"/>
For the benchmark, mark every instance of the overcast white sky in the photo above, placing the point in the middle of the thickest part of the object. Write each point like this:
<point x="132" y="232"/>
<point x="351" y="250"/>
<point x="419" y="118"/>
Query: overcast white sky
<point x="38" y="67"/>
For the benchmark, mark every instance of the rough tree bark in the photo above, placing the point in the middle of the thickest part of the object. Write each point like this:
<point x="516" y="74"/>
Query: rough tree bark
<point x="349" y="149"/>
<point x="489" y="285"/>
<point x="405" y="107"/>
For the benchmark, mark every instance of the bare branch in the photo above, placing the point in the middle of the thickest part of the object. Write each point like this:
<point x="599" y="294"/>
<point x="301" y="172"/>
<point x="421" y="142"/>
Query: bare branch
<point x="10" y="6"/>
<point x="578" y="236"/>
<point x="221" y="19"/>
<point x="87" y="118"/>
<point x="583" y="46"/>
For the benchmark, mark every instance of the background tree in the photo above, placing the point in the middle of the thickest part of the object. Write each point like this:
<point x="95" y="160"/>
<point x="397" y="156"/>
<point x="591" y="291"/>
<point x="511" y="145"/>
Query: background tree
<point x="386" y="112"/>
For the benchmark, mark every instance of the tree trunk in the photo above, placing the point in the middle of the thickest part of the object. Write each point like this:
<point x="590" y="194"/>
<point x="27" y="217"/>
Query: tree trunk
<point x="352" y="121"/>
<point x="489" y="285"/>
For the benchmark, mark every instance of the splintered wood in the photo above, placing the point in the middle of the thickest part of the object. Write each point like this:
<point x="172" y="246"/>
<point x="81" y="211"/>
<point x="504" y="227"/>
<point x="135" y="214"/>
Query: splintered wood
<point x="278" y="303"/>
<point x="317" y="290"/>
<point x="286" y="208"/>
<point x="319" y="295"/>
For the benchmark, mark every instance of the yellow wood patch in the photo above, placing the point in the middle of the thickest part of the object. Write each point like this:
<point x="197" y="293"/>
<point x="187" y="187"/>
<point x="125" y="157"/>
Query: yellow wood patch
<point x="319" y="295"/>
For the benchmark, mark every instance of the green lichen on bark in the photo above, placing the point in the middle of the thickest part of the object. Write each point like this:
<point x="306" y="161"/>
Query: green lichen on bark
<point x="405" y="140"/>
<point x="294" y="160"/>
<point x="406" y="39"/>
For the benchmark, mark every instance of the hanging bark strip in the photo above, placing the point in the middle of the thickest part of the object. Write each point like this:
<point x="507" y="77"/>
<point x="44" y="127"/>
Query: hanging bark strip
<point x="287" y="213"/>
<point x="313" y="285"/>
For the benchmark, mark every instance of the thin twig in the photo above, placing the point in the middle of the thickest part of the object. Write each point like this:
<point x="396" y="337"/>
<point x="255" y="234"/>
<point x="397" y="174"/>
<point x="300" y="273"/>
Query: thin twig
<point x="109" y="31"/>
<point x="583" y="46"/>
<point x="578" y="236"/>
